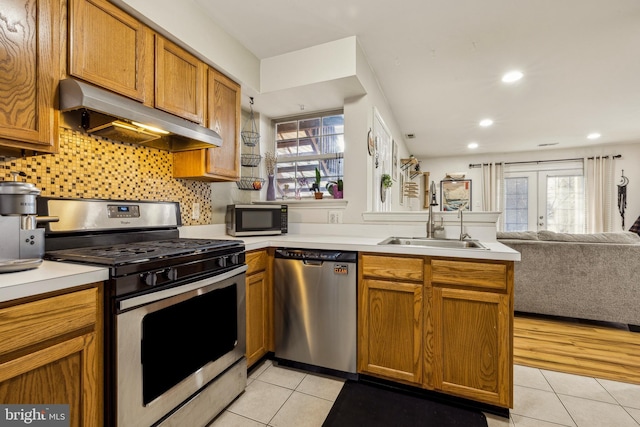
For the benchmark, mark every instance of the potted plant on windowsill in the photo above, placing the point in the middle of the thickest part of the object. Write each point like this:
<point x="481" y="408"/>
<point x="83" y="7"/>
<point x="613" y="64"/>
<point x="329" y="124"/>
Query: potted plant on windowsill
<point x="336" y="189"/>
<point x="315" y="187"/>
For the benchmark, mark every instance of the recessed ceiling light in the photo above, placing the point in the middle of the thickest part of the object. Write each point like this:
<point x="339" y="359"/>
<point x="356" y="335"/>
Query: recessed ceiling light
<point x="486" y="123"/>
<point x="512" y="76"/>
<point x="594" y="135"/>
<point x="472" y="145"/>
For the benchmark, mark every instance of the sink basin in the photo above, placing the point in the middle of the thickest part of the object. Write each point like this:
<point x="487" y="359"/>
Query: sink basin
<point x="434" y="243"/>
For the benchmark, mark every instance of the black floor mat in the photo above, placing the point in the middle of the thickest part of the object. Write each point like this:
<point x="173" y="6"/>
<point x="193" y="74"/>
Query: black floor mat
<point x="362" y="404"/>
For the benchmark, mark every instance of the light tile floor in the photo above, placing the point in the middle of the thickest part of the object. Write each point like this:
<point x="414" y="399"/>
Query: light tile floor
<point x="283" y="397"/>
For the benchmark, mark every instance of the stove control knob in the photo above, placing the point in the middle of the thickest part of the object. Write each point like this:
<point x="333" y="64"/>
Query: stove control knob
<point x="150" y="279"/>
<point x="235" y="259"/>
<point x="171" y="273"/>
<point x="222" y="261"/>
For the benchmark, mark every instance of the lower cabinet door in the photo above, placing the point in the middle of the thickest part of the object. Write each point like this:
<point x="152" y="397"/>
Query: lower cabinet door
<point x="257" y="344"/>
<point x="390" y="330"/>
<point x="63" y="373"/>
<point x="51" y="353"/>
<point x="472" y="357"/>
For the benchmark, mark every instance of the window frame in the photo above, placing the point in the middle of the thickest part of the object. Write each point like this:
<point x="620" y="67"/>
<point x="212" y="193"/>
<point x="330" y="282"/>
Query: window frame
<point x="305" y="191"/>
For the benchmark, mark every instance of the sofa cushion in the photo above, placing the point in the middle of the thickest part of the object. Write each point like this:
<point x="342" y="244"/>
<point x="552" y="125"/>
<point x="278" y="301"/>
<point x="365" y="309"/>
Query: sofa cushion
<point x="617" y="237"/>
<point x="582" y="280"/>
<point x="517" y="235"/>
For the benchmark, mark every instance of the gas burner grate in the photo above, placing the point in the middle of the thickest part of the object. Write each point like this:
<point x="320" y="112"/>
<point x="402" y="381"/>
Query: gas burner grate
<point x="190" y="243"/>
<point x="119" y="251"/>
<point x="137" y="252"/>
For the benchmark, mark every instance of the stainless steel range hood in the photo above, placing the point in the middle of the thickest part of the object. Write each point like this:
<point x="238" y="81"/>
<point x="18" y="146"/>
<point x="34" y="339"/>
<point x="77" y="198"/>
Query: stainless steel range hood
<point x="103" y="113"/>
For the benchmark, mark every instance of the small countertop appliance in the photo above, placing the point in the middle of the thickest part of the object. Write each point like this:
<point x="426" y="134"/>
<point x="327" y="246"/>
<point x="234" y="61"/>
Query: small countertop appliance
<point x="23" y="246"/>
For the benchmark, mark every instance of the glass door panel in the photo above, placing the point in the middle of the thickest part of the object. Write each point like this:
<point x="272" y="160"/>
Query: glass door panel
<point x="520" y="202"/>
<point x="544" y="200"/>
<point x="564" y="203"/>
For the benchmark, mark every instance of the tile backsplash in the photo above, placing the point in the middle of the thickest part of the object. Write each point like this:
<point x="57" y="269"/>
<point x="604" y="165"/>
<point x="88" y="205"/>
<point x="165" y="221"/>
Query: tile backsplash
<point x="95" y="168"/>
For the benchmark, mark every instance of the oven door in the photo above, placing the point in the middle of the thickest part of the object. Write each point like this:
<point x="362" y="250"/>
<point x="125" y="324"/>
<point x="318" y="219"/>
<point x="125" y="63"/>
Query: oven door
<point x="172" y="343"/>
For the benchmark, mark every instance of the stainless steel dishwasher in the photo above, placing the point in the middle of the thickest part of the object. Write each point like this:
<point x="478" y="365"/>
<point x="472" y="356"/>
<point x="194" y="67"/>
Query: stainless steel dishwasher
<point x="315" y="308"/>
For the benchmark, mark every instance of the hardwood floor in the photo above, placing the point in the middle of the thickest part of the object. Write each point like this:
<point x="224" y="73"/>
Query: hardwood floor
<point x="577" y="348"/>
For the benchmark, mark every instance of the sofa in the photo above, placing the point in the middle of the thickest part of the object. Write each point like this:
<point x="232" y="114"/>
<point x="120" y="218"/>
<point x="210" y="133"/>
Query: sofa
<point x="585" y="276"/>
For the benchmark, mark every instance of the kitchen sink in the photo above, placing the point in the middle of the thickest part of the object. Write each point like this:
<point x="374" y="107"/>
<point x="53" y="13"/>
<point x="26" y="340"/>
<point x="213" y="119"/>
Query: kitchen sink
<point x="434" y="243"/>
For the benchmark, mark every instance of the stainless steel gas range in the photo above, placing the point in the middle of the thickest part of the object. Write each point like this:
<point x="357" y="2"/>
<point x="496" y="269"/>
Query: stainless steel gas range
<point x="174" y="309"/>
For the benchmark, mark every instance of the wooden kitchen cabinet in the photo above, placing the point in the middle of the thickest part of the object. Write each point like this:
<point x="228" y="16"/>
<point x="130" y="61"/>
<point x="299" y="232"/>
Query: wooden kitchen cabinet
<point x="442" y="324"/>
<point x="29" y="34"/>
<point x="223" y="116"/>
<point x="259" y="303"/>
<point x="390" y="317"/>
<point x="51" y="353"/>
<point x="111" y="49"/>
<point x="223" y="112"/>
<point x="472" y="315"/>
<point x="180" y="81"/>
<point x="115" y="51"/>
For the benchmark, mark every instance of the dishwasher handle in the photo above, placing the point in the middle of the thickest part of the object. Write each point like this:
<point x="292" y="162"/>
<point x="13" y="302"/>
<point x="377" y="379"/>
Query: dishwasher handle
<point x="312" y="262"/>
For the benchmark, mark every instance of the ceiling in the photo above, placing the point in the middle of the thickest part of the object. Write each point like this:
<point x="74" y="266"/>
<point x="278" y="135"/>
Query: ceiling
<point x="440" y="62"/>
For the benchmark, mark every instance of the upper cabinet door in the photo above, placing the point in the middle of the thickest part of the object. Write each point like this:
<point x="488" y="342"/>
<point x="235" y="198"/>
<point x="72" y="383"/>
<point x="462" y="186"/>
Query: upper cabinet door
<point x="180" y="81"/>
<point x="223" y="108"/>
<point x="29" y="36"/>
<point x="109" y="48"/>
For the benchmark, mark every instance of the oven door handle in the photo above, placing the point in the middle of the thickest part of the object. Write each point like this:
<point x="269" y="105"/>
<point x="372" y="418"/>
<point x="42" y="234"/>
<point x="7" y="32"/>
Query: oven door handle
<point x="157" y="296"/>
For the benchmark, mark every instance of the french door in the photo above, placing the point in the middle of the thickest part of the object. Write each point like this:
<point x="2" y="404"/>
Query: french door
<point x="544" y="197"/>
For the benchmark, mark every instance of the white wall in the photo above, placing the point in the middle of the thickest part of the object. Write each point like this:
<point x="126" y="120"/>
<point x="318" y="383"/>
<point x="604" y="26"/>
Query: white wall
<point x="227" y="193"/>
<point x="359" y="165"/>
<point x="293" y="69"/>
<point x="629" y="162"/>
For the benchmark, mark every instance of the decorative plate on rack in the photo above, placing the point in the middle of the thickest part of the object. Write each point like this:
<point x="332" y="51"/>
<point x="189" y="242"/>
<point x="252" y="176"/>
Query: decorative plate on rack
<point x="370" y="142"/>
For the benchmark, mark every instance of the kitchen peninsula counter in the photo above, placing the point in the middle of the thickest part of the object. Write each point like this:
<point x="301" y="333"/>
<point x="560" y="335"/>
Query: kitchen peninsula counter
<point x="496" y="251"/>
<point x="54" y="276"/>
<point x="432" y="318"/>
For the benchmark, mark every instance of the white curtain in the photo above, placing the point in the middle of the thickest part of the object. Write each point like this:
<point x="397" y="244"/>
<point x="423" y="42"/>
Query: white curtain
<point x="599" y="193"/>
<point x="492" y="189"/>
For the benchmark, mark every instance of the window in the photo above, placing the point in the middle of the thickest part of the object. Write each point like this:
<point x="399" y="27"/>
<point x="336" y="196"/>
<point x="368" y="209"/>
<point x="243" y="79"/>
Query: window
<point x="546" y="196"/>
<point x="304" y="144"/>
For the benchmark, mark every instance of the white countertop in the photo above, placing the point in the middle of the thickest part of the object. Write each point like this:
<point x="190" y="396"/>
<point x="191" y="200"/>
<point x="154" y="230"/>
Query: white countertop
<point x="497" y="251"/>
<point x="50" y="276"/>
<point x="53" y="276"/>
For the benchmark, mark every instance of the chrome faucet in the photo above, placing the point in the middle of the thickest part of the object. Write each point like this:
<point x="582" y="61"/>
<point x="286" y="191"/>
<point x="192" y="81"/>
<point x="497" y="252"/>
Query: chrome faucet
<point x="463" y="235"/>
<point x="431" y="224"/>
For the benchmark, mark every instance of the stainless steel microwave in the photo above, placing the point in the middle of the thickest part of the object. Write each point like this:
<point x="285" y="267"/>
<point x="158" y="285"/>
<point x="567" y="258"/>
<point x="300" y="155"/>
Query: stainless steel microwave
<point x="256" y="220"/>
